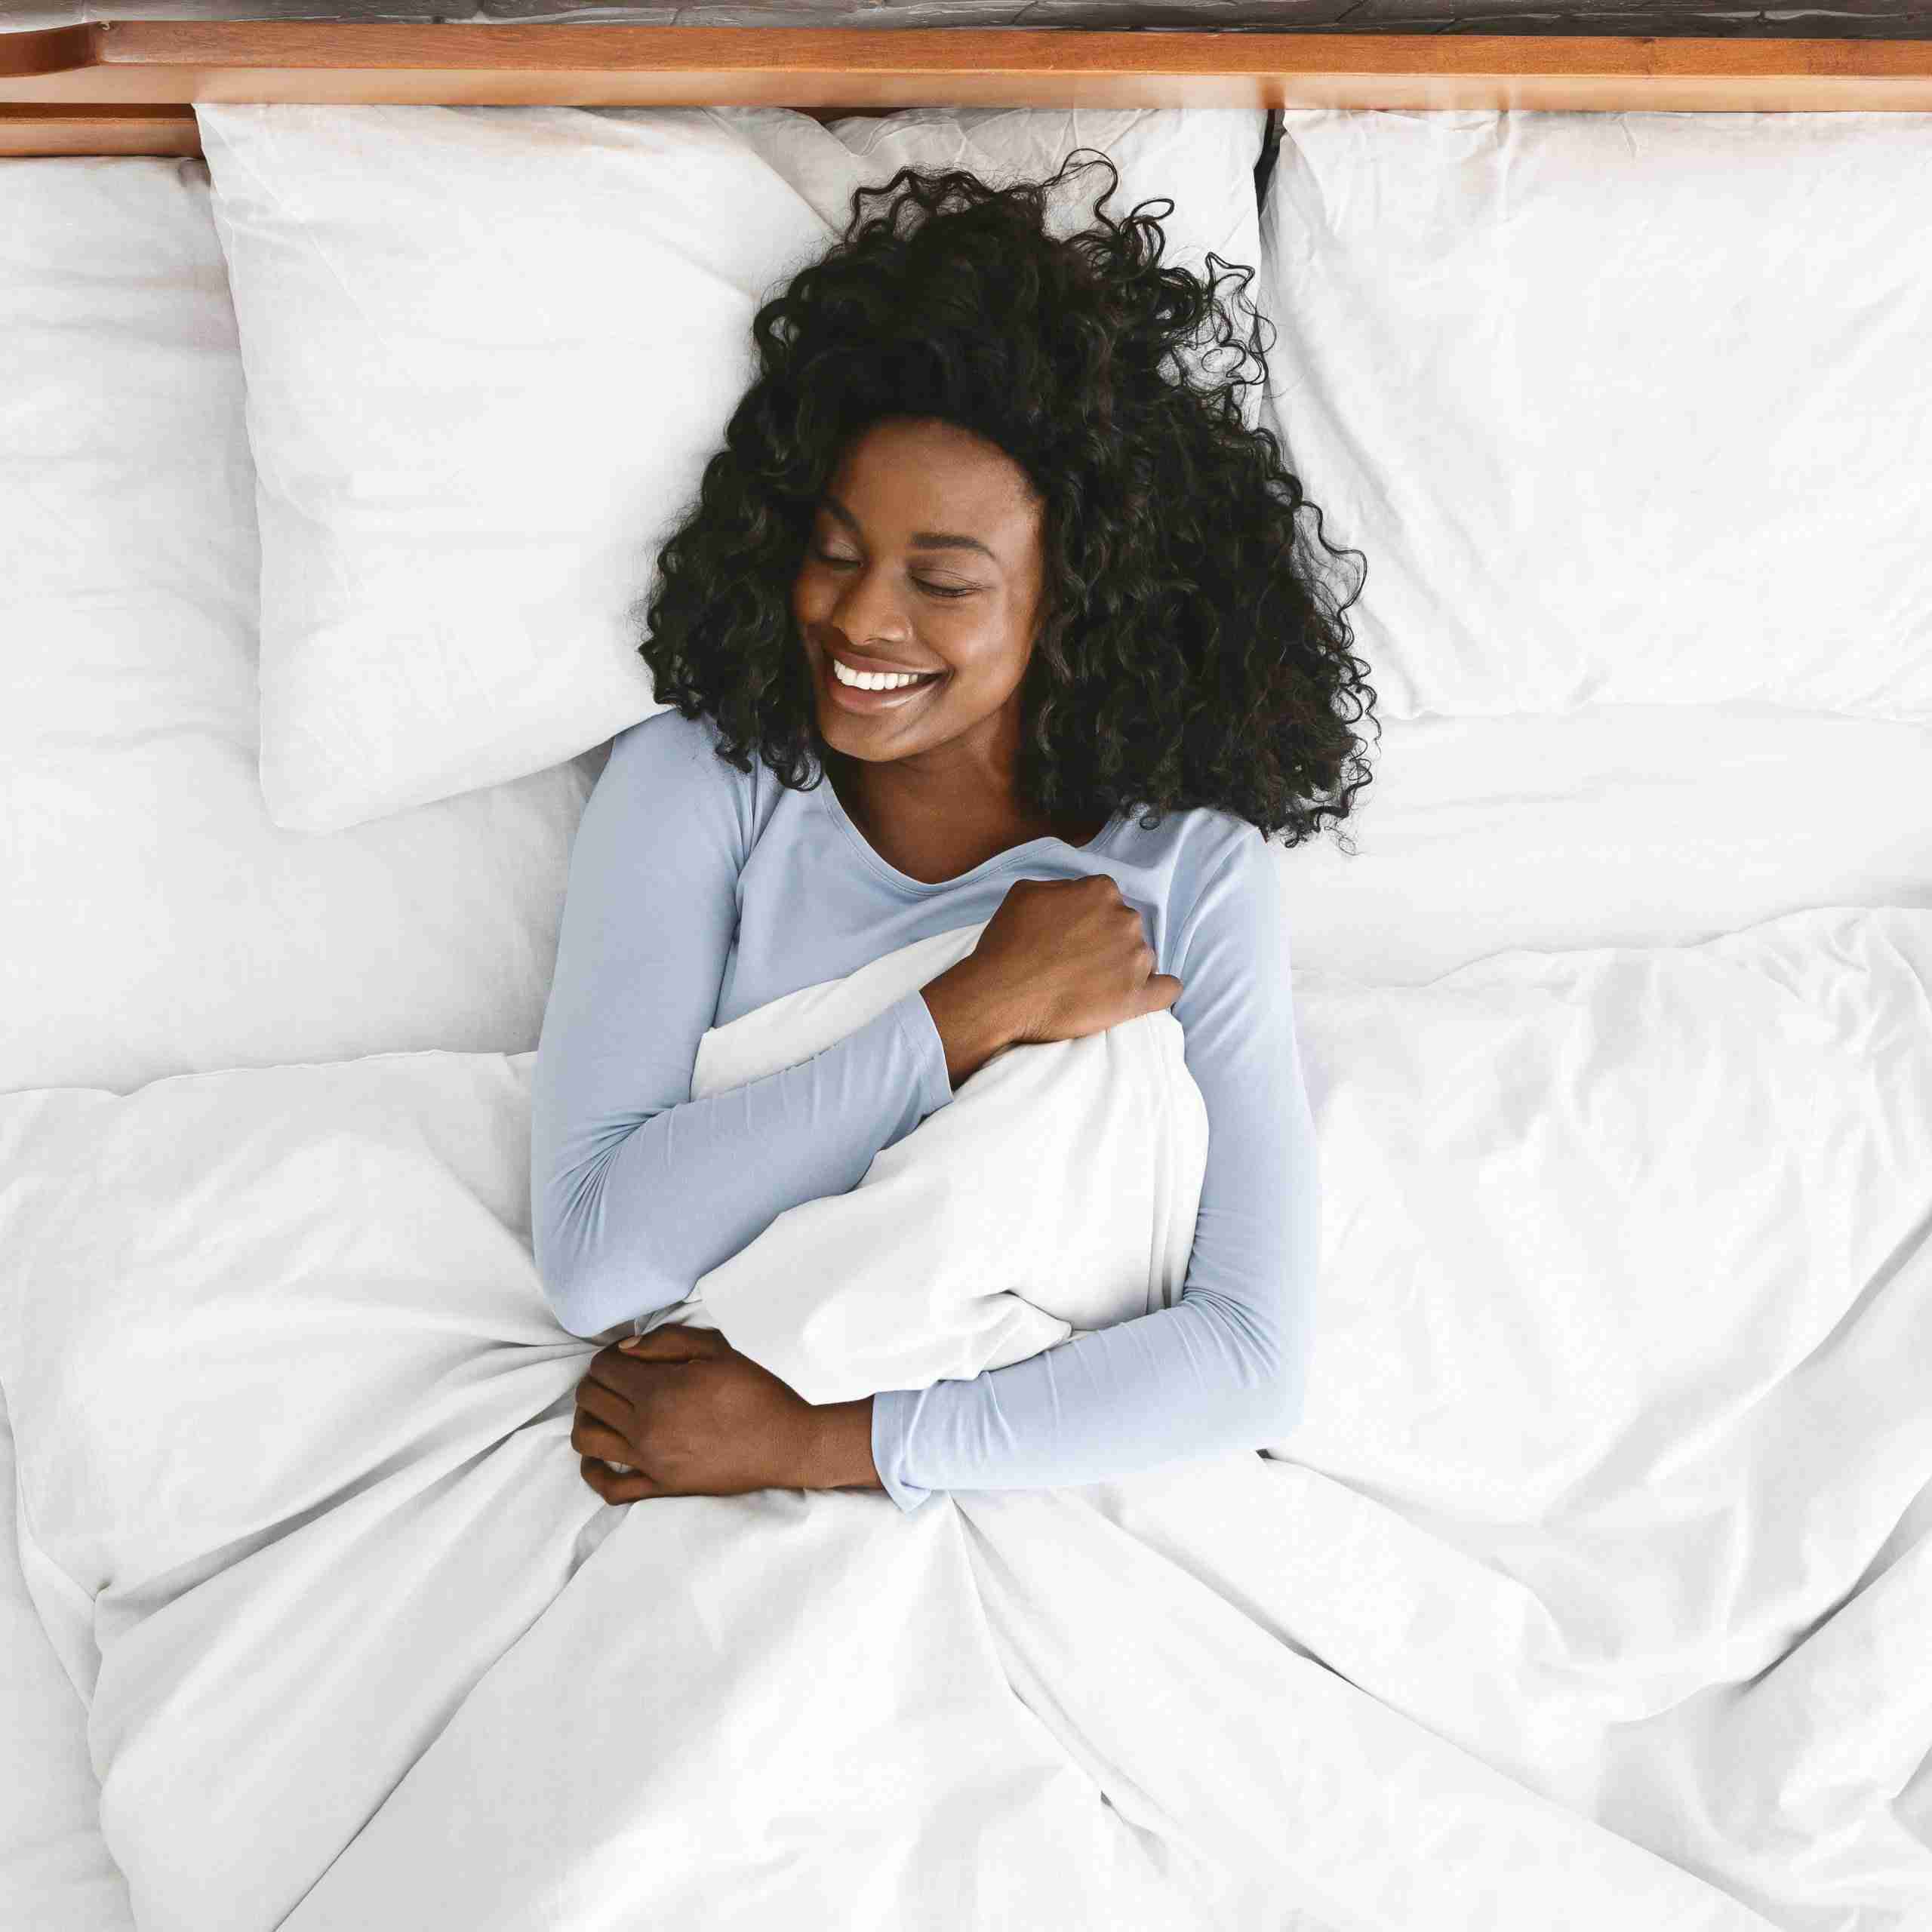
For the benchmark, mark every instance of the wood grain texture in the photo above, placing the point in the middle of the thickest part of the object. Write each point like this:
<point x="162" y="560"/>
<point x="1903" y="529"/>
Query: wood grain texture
<point x="155" y="64"/>
<point x="100" y="130"/>
<point x="1718" y="19"/>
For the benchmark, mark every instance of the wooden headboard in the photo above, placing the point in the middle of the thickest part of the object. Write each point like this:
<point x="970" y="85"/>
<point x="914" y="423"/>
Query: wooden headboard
<point x="125" y="87"/>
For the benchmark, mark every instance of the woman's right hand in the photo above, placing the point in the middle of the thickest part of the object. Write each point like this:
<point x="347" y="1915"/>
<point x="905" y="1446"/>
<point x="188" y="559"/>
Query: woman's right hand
<point x="1061" y="959"/>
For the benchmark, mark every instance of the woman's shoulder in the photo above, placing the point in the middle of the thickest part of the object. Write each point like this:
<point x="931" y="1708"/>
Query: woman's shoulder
<point x="669" y="753"/>
<point x="667" y="736"/>
<point x="668" y="767"/>
<point x="1222" y="886"/>
<point x="1198" y="843"/>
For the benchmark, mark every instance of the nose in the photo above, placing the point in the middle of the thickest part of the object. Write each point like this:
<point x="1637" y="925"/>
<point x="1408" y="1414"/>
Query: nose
<point x="869" y="606"/>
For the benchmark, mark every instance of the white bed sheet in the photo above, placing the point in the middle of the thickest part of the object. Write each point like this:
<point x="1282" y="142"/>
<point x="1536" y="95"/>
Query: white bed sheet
<point x="1599" y="1550"/>
<point x="57" y="1873"/>
<point x="156" y="922"/>
<point x="170" y="930"/>
<point x="1638" y="825"/>
<point x="1646" y="825"/>
<point x="1654" y="826"/>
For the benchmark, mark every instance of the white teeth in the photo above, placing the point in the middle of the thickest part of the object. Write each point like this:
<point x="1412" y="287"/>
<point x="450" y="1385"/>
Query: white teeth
<point x="875" y="681"/>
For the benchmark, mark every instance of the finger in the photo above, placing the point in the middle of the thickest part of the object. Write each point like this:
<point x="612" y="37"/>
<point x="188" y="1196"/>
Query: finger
<point x="1160" y="992"/>
<point x="604" y="1404"/>
<point x="673" y="1343"/>
<point x="621" y="1374"/>
<point x="614" y="1488"/>
<point x="619" y="1366"/>
<point x="592" y="1438"/>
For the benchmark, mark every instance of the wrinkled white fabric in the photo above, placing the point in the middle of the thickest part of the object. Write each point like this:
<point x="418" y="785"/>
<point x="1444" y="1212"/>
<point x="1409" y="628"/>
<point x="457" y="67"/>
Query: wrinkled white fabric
<point x="1590" y="1593"/>
<point x="1056" y="1194"/>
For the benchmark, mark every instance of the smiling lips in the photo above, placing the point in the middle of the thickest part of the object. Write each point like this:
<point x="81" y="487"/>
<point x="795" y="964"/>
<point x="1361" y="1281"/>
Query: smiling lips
<point x="878" y="680"/>
<point x="860" y="685"/>
<point x="866" y="660"/>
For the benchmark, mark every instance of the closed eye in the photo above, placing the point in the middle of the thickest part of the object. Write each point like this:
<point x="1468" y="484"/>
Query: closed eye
<point x="931" y="589"/>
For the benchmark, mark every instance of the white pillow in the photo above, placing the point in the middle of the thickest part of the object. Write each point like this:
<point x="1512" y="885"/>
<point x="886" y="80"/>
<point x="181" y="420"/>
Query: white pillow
<point x="156" y="921"/>
<point x="1203" y="159"/>
<point x="1622" y="408"/>
<point x="489" y="350"/>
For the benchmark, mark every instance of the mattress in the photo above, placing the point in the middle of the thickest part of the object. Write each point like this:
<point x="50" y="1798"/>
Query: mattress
<point x="167" y="931"/>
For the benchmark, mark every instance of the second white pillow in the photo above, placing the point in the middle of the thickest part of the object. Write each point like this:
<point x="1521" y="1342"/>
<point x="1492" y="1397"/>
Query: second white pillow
<point x="1621" y="408"/>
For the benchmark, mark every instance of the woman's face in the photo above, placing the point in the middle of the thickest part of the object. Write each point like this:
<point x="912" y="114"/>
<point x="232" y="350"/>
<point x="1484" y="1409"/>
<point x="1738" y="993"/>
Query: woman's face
<point x="925" y="556"/>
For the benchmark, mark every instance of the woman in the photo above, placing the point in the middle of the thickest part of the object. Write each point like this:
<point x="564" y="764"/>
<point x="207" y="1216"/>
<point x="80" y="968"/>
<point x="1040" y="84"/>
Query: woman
<point x="982" y="548"/>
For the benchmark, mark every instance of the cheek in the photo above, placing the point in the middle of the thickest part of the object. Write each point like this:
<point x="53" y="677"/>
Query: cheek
<point x="991" y="666"/>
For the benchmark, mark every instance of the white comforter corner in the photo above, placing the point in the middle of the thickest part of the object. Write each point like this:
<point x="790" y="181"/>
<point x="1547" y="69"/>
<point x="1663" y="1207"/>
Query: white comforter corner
<point x="1592" y="1592"/>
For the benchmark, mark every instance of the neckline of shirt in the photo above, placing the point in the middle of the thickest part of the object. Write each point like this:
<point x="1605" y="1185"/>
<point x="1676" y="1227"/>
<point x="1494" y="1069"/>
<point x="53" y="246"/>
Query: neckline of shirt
<point x="904" y="882"/>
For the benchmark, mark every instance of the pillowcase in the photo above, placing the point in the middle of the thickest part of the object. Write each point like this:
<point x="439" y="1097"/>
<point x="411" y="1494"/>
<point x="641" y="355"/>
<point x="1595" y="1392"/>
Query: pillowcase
<point x="489" y="350"/>
<point x="157" y="922"/>
<point x="1203" y="159"/>
<point x="1621" y="408"/>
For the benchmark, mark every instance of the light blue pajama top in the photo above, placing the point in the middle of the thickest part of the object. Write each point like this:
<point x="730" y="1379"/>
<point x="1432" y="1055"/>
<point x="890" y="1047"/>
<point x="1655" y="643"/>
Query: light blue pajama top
<point x="698" y="893"/>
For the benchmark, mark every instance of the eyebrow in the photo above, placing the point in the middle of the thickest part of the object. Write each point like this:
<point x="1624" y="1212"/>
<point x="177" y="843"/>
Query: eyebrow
<point x="921" y="540"/>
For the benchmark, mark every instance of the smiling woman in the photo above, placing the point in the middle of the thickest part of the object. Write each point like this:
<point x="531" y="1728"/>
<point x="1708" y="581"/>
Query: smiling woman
<point x="928" y="631"/>
<point x="985" y="545"/>
<point x="978" y="448"/>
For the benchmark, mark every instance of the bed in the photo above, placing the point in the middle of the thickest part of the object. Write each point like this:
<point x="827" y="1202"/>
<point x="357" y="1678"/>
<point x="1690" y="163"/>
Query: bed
<point x="1593" y="1585"/>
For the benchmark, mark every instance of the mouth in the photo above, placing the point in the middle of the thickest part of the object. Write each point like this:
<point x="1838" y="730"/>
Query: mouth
<point x="858" y="698"/>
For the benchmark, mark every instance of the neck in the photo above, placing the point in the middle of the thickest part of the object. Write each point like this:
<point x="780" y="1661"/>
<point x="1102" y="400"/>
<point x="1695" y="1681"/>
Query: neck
<point x="966" y="788"/>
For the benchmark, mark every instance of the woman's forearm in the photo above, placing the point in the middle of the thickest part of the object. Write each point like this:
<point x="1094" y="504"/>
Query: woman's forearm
<point x="625" y="1229"/>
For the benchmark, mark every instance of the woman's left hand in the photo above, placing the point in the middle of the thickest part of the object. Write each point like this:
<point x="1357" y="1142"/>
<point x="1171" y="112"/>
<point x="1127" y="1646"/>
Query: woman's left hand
<point x="690" y="1417"/>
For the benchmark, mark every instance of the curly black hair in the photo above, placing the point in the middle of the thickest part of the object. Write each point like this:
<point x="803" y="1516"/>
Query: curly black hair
<point x="1189" y="653"/>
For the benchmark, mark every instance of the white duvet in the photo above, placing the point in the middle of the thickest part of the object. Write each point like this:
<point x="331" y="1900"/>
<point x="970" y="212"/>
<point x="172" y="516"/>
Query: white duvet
<point x="1591" y="1592"/>
<point x="1056" y="1196"/>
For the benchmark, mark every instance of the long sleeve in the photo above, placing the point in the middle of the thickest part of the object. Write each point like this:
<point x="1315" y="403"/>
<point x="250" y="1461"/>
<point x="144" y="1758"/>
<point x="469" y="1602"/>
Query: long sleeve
<point x="637" y="1190"/>
<point x="1225" y="1368"/>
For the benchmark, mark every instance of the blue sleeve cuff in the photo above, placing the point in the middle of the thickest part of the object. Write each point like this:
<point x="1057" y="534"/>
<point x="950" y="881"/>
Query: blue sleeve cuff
<point x="921" y="1031"/>
<point x="888" y="1447"/>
